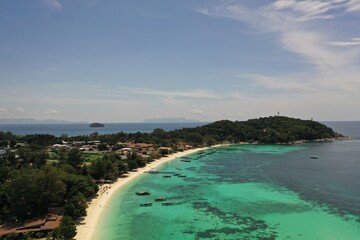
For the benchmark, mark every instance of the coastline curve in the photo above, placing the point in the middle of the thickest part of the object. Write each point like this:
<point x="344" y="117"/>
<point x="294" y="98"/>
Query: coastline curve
<point x="86" y="227"/>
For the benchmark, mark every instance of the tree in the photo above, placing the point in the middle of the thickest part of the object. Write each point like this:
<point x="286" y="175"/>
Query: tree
<point x="54" y="189"/>
<point x="97" y="169"/>
<point x="5" y="204"/>
<point x="75" y="206"/>
<point x="25" y="192"/>
<point x="74" y="158"/>
<point x="122" y="166"/>
<point x="105" y="168"/>
<point x="39" y="158"/>
<point x="102" y="147"/>
<point x="66" y="230"/>
<point x="132" y="164"/>
<point x="33" y="191"/>
<point x="209" y="141"/>
<point x="3" y="174"/>
<point x="164" y="151"/>
<point x="78" y="183"/>
<point x="195" y="138"/>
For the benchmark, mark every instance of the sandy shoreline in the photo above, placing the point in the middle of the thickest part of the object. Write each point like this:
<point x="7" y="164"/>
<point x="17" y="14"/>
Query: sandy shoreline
<point x="86" y="228"/>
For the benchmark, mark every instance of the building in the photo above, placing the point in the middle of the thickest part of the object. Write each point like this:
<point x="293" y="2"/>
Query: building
<point x="45" y="224"/>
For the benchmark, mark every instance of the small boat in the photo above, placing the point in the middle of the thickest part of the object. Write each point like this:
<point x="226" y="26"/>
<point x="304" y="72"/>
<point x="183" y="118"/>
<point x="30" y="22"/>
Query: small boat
<point x="182" y="176"/>
<point x="185" y="160"/>
<point x="178" y="168"/>
<point x="143" y="193"/>
<point x="168" y="203"/>
<point x="145" y="204"/>
<point x="176" y="174"/>
<point x="314" y="157"/>
<point x="167" y="176"/>
<point x="159" y="199"/>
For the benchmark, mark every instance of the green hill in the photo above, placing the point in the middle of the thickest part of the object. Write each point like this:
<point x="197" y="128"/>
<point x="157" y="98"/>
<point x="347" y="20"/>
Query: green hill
<point x="275" y="129"/>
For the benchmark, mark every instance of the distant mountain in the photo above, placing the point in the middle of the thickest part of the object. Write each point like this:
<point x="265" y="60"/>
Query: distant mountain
<point x="169" y="120"/>
<point x="34" y="121"/>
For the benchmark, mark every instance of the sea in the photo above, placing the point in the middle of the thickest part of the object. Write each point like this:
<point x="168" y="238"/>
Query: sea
<point x="77" y="129"/>
<point x="246" y="192"/>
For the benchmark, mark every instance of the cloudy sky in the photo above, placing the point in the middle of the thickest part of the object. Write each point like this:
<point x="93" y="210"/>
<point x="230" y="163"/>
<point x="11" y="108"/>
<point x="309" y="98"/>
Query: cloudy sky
<point x="124" y="61"/>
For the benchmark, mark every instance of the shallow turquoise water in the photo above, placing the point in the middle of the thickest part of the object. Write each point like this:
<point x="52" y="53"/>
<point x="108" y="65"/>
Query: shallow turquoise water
<point x="241" y="192"/>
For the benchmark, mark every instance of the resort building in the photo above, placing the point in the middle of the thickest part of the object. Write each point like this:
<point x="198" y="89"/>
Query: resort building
<point x="45" y="224"/>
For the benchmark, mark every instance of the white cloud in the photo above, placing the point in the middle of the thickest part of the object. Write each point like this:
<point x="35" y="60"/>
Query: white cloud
<point x="353" y="42"/>
<point x="288" y="83"/>
<point x="284" y="4"/>
<point x="307" y="10"/>
<point x="197" y="112"/>
<point x="53" y="4"/>
<point x="310" y="45"/>
<point x="197" y="93"/>
<point x="52" y="112"/>
<point x="299" y="83"/>
<point x="20" y="110"/>
<point x="3" y="111"/>
<point x="291" y="20"/>
<point x="317" y="9"/>
<point x="353" y="6"/>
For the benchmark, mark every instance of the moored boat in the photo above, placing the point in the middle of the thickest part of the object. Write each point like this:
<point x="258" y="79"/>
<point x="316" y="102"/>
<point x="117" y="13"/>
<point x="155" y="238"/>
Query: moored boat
<point x="168" y="203"/>
<point x="143" y="193"/>
<point x="167" y="176"/>
<point x="185" y="160"/>
<point x="145" y="204"/>
<point x="159" y="199"/>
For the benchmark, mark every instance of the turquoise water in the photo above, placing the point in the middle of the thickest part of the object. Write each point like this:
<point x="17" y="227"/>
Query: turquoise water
<point x="245" y="192"/>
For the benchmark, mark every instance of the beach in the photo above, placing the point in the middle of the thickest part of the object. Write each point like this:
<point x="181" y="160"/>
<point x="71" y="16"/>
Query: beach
<point x="86" y="228"/>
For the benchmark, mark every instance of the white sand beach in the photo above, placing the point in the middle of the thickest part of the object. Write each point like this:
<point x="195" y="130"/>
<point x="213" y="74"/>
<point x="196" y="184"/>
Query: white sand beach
<point x="86" y="228"/>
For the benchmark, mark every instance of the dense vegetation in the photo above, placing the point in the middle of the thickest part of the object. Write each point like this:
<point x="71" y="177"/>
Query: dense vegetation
<point x="31" y="185"/>
<point x="276" y="129"/>
<point x="267" y="130"/>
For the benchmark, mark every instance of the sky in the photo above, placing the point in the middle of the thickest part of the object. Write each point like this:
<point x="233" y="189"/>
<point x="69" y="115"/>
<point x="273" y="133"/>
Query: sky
<point x="125" y="61"/>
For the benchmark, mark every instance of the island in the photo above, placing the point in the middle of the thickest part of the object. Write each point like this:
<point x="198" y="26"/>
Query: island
<point x="96" y="125"/>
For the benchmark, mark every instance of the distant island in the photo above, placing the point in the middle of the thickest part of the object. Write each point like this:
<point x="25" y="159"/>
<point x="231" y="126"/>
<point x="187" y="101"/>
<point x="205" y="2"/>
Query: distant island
<point x="95" y="125"/>
<point x="169" y="120"/>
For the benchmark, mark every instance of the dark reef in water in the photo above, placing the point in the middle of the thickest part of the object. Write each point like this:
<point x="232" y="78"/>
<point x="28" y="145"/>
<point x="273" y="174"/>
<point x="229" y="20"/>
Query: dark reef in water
<point x="246" y="226"/>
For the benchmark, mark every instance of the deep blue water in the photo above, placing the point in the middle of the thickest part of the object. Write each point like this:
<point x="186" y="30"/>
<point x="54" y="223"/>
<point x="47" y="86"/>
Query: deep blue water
<point x="84" y="129"/>
<point x="348" y="128"/>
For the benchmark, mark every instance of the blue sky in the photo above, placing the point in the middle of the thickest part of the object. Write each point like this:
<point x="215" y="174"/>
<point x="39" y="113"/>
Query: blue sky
<point x="124" y="61"/>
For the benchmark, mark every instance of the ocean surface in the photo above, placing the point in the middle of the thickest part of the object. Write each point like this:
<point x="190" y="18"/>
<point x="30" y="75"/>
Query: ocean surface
<point x="77" y="129"/>
<point x="247" y="192"/>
